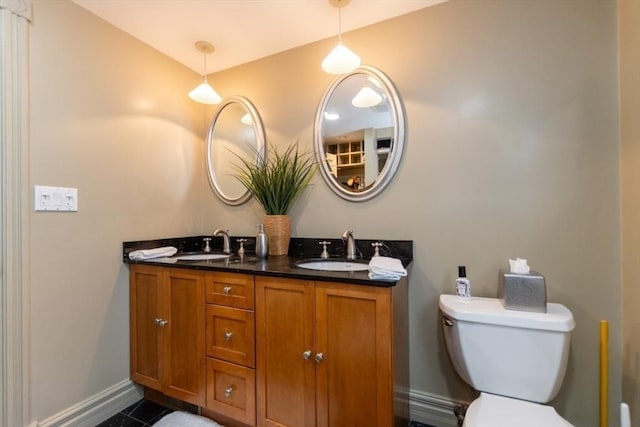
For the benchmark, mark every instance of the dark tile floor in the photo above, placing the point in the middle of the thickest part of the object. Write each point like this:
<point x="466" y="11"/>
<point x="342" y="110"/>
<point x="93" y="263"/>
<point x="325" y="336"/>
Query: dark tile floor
<point x="145" y="413"/>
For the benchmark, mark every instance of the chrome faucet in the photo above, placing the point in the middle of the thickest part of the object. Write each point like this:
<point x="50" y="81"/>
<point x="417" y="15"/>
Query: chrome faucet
<point x="225" y="239"/>
<point x="351" y="244"/>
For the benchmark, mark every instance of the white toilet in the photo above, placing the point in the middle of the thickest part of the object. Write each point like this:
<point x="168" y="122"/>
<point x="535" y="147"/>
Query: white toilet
<point x="516" y="359"/>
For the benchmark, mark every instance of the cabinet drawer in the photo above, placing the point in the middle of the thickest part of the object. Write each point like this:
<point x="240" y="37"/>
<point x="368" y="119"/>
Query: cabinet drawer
<point x="230" y="289"/>
<point x="230" y="334"/>
<point x="231" y="390"/>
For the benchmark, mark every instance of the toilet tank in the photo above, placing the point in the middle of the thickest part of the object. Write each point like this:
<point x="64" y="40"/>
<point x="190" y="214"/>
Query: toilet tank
<point x="511" y="353"/>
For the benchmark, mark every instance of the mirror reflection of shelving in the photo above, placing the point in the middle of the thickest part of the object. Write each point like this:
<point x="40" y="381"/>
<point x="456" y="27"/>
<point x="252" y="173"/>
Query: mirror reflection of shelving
<point x="349" y="154"/>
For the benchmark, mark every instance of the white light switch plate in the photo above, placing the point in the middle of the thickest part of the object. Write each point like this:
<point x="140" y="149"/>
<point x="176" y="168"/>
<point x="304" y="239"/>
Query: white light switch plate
<point x="60" y="199"/>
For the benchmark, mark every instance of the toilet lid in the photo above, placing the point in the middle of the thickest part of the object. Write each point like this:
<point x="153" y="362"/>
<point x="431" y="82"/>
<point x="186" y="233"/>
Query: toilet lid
<point x="496" y="411"/>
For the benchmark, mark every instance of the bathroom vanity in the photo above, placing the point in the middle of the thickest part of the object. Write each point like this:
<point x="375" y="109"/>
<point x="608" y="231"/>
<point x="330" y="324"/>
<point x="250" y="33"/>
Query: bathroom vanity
<point x="263" y="342"/>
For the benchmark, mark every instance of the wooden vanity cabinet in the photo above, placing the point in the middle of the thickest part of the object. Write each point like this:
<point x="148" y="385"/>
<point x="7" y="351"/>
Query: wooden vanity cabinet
<point x="330" y="354"/>
<point x="167" y="331"/>
<point x="271" y="351"/>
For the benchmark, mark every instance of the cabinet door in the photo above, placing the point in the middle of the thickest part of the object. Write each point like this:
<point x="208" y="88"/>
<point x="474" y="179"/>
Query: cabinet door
<point x="144" y="297"/>
<point x="284" y="332"/>
<point x="353" y="333"/>
<point x="183" y="355"/>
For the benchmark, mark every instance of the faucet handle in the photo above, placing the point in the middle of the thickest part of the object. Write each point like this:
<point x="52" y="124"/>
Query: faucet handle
<point x="241" y="250"/>
<point x="376" y="248"/>
<point x="324" y="254"/>
<point x="206" y="241"/>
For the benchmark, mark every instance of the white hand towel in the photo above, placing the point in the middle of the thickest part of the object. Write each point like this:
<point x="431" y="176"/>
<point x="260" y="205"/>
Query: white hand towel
<point x="143" y="254"/>
<point x="385" y="268"/>
<point x="185" y="419"/>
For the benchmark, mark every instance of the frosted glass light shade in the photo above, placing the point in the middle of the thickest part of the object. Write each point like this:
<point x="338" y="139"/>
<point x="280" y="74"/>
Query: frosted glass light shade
<point x="205" y="94"/>
<point x="340" y="60"/>
<point x="367" y="97"/>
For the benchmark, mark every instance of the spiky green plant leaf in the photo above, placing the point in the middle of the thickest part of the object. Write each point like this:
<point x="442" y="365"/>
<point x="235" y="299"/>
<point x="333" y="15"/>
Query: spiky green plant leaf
<point x="276" y="181"/>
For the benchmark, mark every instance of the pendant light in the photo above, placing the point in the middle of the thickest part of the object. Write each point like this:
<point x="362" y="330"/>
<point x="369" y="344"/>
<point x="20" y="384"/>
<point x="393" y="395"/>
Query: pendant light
<point x="340" y="60"/>
<point x="204" y="93"/>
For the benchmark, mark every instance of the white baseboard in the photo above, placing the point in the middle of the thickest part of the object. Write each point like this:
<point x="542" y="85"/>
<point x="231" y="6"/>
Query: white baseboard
<point x="431" y="409"/>
<point x="97" y="408"/>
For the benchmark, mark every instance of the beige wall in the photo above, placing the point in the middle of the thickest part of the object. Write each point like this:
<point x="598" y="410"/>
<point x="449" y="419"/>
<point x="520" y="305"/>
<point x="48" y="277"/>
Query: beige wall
<point x="511" y="151"/>
<point x="629" y="40"/>
<point x="109" y="116"/>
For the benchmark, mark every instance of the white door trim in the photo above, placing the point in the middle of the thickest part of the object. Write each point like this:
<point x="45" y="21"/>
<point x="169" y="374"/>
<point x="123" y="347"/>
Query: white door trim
<point x="14" y="212"/>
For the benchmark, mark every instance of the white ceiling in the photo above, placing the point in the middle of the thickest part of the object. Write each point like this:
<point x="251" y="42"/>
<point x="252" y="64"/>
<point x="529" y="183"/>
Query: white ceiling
<point x="240" y="30"/>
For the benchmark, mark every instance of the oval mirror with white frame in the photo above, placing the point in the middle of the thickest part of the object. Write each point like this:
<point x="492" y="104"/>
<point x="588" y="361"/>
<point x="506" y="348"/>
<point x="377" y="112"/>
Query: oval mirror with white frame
<point x="236" y="129"/>
<point x="359" y="134"/>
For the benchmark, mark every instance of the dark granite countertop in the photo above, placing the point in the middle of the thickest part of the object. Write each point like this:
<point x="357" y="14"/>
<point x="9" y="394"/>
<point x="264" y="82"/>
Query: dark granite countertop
<point x="278" y="266"/>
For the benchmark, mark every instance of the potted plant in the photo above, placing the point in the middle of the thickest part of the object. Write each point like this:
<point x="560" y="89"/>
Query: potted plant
<point x="276" y="181"/>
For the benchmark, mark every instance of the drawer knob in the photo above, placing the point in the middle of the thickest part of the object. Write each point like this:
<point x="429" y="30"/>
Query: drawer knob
<point x="228" y="336"/>
<point x="226" y="290"/>
<point x="306" y="355"/>
<point x="228" y="391"/>
<point x="161" y="322"/>
<point x="319" y="357"/>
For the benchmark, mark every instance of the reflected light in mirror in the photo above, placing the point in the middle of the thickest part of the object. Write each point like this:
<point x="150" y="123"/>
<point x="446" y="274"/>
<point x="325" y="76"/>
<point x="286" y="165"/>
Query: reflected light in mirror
<point x="246" y="119"/>
<point x="331" y="116"/>
<point x="366" y="98"/>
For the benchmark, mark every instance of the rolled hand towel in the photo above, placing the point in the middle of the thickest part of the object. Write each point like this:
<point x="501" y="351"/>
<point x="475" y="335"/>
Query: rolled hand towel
<point x="143" y="254"/>
<point x="385" y="268"/>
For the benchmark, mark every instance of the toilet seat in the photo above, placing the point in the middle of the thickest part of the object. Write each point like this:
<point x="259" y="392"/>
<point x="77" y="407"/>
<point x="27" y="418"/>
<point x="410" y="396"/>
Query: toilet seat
<point x="490" y="410"/>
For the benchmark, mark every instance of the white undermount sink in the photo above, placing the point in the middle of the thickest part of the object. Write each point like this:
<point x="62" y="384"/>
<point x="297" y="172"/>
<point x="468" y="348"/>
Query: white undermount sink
<point x="201" y="257"/>
<point x="333" y="265"/>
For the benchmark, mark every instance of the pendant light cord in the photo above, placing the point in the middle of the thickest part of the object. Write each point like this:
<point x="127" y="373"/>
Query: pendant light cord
<point x="205" y="66"/>
<point x="340" y="24"/>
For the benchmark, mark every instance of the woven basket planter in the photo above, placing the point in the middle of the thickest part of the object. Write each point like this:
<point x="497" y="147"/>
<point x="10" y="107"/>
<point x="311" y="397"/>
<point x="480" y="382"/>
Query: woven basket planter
<point x="278" y="228"/>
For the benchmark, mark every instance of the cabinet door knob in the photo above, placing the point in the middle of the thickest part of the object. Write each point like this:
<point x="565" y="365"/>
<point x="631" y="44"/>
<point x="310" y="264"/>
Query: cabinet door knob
<point x="228" y="336"/>
<point x="161" y="322"/>
<point x="226" y="290"/>
<point x="306" y="355"/>
<point x="319" y="357"/>
<point x="228" y="391"/>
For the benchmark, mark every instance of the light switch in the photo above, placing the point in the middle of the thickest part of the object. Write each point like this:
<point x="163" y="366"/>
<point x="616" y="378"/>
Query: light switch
<point x="59" y="199"/>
